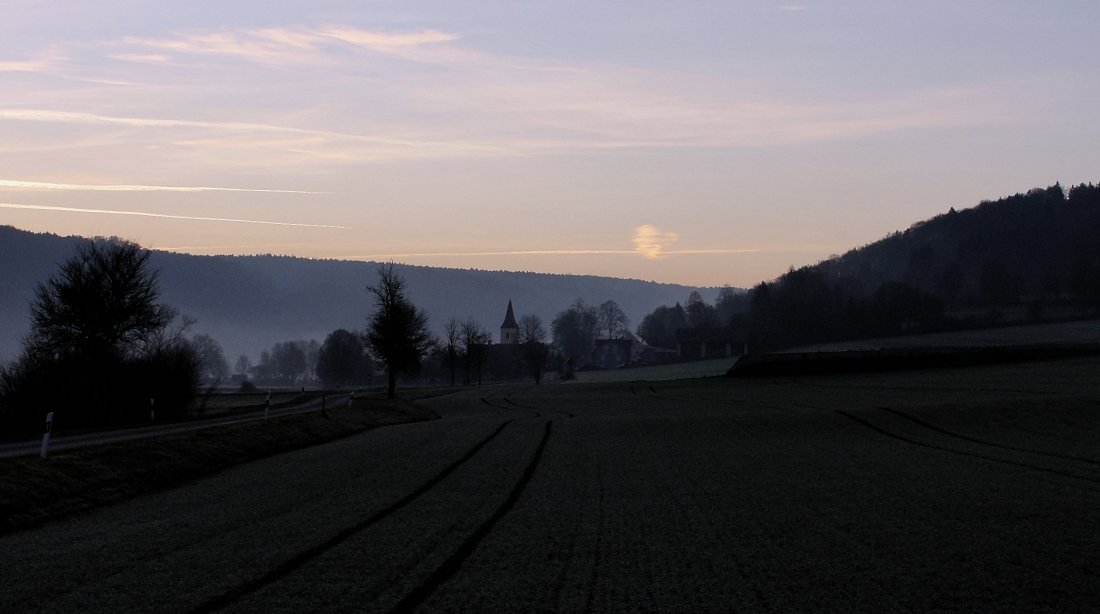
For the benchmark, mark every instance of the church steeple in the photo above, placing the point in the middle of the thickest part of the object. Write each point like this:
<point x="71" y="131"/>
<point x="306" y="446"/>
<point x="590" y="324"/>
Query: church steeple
<point x="509" y="330"/>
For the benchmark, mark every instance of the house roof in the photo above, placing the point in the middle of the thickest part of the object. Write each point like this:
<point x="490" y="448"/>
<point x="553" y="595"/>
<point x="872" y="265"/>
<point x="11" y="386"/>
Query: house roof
<point x="510" y="318"/>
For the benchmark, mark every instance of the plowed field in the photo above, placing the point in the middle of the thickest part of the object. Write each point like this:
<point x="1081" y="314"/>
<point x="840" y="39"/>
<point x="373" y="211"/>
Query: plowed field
<point x="967" y="490"/>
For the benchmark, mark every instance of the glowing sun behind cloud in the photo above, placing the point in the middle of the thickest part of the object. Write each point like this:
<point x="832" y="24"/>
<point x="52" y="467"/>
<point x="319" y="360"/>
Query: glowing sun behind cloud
<point x="651" y="242"/>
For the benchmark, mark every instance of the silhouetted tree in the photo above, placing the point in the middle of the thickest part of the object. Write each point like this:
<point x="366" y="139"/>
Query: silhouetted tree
<point x="659" y="327"/>
<point x="574" y="331"/>
<point x="398" y="331"/>
<point x="532" y="336"/>
<point x="214" y="367"/>
<point x="243" y="365"/>
<point x="612" y="320"/>
<point x="99" y="347"/>
<point x="286" y="363"/>
<point x="102" y="305"/>
<point x="342" y="359"/>
<point x="475" y="344"/>
<point x="452" y="336"/>
<point x="730" y="303"/>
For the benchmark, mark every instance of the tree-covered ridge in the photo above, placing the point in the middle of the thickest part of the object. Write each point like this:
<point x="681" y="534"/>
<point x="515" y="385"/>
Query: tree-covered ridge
<point x="1027" y="257"/>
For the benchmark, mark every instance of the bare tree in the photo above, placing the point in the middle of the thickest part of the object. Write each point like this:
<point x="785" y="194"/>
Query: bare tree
<point x="531" y="329"/>
<point x="532" y="337"/>
<point x="211" y="358"/>
<point x="475" y="341"/>
<point x="575" y="331"/>
<point x="452" y="336"/>
<point x="613" y="321"/>
<point x="243" y="365"/>
<point x="398" y="331"/>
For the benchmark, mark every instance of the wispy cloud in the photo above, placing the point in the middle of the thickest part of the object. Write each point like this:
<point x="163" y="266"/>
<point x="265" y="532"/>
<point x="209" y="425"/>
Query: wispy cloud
<point x="144" y="58"/>
<point x="287" y="45"/>
<point x="162" y="215"/>
<point x="22" y="65"/>
<point x="38" y="63"/>
<point x="227" y="248"/>
<point x="386" y="40"/>
<point x="76" y="117"/>
<point x="76" y="187"/>
<point x="471" y="104"/>
<point x="304" y="141"/>
<point x="652" y="242"/>
<point x="483" y="105"/>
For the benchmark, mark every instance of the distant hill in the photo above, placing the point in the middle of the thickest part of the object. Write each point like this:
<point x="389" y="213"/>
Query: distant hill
<point x="1025" y="258"/>
<point x="249" y="303"/>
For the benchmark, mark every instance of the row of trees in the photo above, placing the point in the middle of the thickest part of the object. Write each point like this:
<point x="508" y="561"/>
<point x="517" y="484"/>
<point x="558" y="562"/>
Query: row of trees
<point x="102" y="349"/>
<point x="576" y="329"/>
<point x="666" y="327"/>
<point x="345" y="357"/>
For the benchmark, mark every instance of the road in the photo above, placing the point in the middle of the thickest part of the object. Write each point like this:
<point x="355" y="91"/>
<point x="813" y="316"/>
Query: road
<point x="974" y="490"/>
<point x="65" y="442"/>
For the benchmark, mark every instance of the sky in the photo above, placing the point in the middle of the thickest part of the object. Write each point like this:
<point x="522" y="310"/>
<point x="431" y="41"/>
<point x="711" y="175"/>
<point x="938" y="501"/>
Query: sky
<point x="699" y="142"/>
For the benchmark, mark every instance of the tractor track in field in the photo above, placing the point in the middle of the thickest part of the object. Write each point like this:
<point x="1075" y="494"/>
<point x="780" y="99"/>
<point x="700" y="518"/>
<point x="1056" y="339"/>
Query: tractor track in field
<point x="897" y="388"/>
<point x="450" y="566"/>
<point x="977" y="455"/>
<point x="529" y="408"/>
<point x="303" y="557"/>
<point x="932" y="427"/>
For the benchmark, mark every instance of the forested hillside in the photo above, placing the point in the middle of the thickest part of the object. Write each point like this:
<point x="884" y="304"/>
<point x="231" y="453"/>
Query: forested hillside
<point x="249" y="303"/>
<point x="1025" y="258"/>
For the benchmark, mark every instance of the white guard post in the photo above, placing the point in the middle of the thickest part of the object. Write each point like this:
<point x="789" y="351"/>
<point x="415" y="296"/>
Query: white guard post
<point x="46" y="435"/>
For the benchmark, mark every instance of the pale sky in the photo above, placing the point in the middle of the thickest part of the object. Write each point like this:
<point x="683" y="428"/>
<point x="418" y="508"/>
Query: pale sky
<point x="705" y="143"/>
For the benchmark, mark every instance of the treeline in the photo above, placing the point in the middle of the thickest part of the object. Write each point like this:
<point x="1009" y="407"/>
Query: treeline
<point x="1025" y="258"/>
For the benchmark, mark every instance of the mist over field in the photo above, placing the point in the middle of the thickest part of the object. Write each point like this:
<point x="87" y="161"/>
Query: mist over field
<point x="249" y="303"/>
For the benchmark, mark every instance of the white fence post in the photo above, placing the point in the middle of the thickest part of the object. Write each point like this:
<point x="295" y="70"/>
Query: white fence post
<point x="46" y="435"/>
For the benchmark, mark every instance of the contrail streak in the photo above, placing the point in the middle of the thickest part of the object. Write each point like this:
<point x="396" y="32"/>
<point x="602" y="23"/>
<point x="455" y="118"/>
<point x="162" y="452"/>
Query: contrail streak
<point x="43" y="185"/>
<point x="562" y="252"/>
<point x="533" y="252"/>
<point x="163" y="215"/>
<point x="697" y="252"/>
<point x="31" y="115"/>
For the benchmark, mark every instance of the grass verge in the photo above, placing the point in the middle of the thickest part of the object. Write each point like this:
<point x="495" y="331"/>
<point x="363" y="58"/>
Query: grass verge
<point x="34" y="491"/>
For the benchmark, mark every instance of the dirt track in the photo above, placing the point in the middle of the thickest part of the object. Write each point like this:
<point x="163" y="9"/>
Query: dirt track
<point x="970" y="490"/>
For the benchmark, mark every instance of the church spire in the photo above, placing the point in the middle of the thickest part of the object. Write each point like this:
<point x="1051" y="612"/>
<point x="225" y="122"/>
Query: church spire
<point x="509" y="330"/>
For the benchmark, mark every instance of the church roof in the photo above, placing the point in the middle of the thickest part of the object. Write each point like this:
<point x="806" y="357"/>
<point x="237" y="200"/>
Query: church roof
<point x="510" y="319"/>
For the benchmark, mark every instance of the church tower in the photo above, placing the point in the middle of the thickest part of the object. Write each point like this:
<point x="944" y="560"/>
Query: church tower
<point x="509" y="330"/>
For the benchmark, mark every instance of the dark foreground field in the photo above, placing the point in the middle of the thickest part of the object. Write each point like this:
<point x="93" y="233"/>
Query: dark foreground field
<point x="969" y="490"/>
